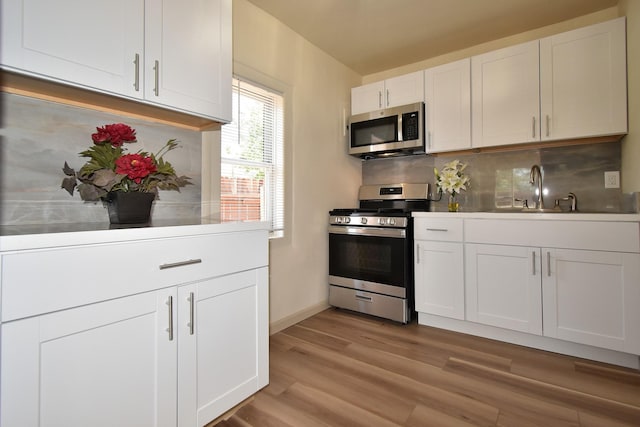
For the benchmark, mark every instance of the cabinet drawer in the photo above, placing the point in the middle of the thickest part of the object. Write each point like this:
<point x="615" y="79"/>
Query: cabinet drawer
<point x="591" y="235"/>
<point x="42" y="281"/>
<point x="440" y="229"/>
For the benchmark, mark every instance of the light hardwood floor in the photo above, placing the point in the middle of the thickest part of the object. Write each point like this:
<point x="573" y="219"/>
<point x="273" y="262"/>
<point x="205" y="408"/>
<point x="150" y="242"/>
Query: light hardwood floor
<point x="338" y="368"/>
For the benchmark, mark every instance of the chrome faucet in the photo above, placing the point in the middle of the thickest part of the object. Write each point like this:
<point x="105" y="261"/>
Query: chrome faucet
<point x="536" y="176"/>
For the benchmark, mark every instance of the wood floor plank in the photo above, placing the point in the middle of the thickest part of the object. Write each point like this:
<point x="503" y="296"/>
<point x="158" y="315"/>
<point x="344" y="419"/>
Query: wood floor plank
<point x="326" y="376"/>
<point x="333" y="410"/>
<point x="425" y="416"/>
<point x="617" y="410"/>
<point x="343" y="369"/>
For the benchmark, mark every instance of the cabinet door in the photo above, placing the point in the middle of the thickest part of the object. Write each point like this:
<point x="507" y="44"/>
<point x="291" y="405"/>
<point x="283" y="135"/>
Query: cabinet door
<point x="439" y="280"/>
<point x="584" y="82"/>
<point x="505" y="91"/>
<point x="367" y="98"/>
<point x="503" y="286"/>
<point x="188" y="56"/>
<point x="405" y="89"/>
<point x="448" y="106"/>
<point x="592" y="297"/>
<point x="88" y="43"/>
<point x="105" y="364"/>
<point x="223" y="344"/>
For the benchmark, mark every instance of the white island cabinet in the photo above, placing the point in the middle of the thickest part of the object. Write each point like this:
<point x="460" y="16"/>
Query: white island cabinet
<point x="568" y="283"/>
<point x="164" y="328"/>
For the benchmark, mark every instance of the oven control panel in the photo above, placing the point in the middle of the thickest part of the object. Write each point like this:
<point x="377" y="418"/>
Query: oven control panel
<point x="370" y="221"/>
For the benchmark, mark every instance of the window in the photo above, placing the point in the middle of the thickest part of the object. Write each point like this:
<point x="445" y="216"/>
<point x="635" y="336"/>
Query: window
<point x="252" y="168"/>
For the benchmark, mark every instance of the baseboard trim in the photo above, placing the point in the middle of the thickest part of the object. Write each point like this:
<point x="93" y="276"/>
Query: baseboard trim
<point x="279" y="325"/>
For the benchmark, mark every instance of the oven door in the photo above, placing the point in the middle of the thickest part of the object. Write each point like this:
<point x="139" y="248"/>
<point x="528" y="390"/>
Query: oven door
<point x="370" y="258"/>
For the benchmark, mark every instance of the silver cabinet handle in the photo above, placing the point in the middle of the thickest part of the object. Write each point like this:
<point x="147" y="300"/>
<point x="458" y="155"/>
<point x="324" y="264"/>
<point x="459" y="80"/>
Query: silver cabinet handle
<point x="191" y="300"/>
<point x="548" y="264"/>
<point x="180" y="263"/>
<point x="533" y="262"/>
<point x="438" y="229"/>
<point x="418" y="254"/>
<point x="363" y="298"/>
<point x="136" y="82"/>
<point x="547" y="124"/>
<point x="379" y="99"/>
<point x="533" y="126"/>
<point x="156" y="69"/>
<point x="387" y="97"/>
<point x="170" y="328"/>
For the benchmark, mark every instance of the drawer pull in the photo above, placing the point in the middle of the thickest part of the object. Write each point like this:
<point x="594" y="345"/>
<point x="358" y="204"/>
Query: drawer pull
<point x="156" y="72"/>
<point x="191" y="313"/>
<point x="437" y="229"/>
<point x="170" y="328"/>
<point x="180" y="263"/>
<point x="363" y="298"/>
<point x="548" y="264"/>
<point x="136" y="82"/>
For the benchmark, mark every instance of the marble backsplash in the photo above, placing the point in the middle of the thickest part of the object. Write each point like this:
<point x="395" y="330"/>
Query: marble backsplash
<point x="37" y="137"/>
<point x="497" y="178"/>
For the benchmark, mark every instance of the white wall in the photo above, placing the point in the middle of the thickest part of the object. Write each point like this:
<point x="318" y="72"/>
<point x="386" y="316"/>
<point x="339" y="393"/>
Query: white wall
<point x="631" y="143"/>
<point x="319" y="174"/>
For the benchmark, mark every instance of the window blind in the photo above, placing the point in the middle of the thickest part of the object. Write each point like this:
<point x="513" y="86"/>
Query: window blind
<point x="252" y="155"/>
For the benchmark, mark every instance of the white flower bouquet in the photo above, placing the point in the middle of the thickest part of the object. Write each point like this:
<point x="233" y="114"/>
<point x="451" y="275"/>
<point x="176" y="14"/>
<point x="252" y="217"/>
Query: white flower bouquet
<point x="451" y="179"/>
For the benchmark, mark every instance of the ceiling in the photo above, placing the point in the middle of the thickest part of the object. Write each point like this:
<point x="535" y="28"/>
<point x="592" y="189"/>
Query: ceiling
<point x="375" y="35"/>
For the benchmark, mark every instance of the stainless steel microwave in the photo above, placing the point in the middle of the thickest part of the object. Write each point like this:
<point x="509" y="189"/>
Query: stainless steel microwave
<point x="388" y="132"/>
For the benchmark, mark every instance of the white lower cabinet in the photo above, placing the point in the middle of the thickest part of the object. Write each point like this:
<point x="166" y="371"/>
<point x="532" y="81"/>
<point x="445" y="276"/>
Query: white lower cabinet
<point x="591" y="297"/>
<point x="439" y="267"/>
<point x="222" y="345"/>
<point x="503" y="287"/>
<point x="439" y="278"/>
<point x="587" y="297"/>
<point x="179" y="355"/>
<point x="106" y="364"/>
<point x="560" y="285"/>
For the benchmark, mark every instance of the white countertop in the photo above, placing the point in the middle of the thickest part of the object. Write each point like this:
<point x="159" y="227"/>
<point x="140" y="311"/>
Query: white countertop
<point x="577" y="216"/>
<point x="40" y="236"/>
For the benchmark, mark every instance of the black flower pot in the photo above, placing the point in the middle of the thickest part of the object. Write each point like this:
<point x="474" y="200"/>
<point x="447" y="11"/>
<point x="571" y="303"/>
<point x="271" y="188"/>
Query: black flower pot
<point x="129" y="207"/>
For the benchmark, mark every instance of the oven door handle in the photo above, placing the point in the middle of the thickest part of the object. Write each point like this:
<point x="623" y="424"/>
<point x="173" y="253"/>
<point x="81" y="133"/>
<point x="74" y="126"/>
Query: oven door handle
<point x="399" y="233"/>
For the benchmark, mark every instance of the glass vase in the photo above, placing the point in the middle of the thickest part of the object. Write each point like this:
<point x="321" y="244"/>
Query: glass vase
<point x="454" y="206"/>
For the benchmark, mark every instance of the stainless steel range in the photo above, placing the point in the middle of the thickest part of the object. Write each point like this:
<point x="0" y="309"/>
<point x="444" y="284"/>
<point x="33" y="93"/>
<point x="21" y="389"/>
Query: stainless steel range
<point x="371" y="251"/>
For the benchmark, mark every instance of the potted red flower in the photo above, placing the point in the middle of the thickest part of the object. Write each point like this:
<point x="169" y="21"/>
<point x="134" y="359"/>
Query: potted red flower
<point x="115" y="176"/>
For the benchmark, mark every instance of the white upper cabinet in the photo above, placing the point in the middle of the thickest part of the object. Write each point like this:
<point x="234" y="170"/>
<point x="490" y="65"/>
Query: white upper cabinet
<point x="77" y="42"/>
<point x="506" y="96"/>
<point x="571" y="85"/>
<point x="172" y="53"/>
<point x="401" y="90"/>
<point x="188" y="55"/>
<point x="367" y="98"/>
<point x="583" y="82"/>
<point x="447" y="96"/>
